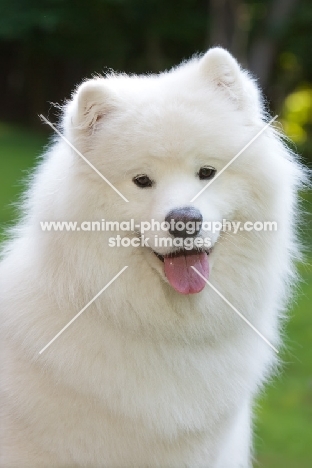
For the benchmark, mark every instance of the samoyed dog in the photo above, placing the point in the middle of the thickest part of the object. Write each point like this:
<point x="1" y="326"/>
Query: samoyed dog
<point x="162" y="365"/>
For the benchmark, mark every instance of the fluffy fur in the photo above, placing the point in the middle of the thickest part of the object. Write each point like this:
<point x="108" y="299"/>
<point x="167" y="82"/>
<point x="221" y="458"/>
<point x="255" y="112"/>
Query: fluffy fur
<point x="146" y="377"/>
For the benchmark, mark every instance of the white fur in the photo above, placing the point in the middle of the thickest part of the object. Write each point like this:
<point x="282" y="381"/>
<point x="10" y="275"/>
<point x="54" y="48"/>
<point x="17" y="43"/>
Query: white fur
<point x="146" y="377"/>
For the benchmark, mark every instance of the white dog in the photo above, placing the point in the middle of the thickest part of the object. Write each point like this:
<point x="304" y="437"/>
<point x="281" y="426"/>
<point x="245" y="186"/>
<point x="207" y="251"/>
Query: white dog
<point x="159" y="370"/>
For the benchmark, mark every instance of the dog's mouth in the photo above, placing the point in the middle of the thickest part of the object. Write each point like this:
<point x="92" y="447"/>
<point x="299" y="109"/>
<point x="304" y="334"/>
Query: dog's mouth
<point x="179" y="272"/>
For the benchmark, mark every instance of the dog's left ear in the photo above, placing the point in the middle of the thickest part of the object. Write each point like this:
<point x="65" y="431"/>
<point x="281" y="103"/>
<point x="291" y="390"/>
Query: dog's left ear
<point x="93" y="101"/>
<point x="224" y="72"/>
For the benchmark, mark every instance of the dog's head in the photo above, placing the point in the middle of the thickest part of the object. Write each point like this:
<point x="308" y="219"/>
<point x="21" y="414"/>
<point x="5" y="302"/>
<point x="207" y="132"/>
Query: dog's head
<point x="160" y="140"/>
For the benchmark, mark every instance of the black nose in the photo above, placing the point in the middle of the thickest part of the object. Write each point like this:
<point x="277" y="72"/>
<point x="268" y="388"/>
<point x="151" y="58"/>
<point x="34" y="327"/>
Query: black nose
<point x="184" y="222"/>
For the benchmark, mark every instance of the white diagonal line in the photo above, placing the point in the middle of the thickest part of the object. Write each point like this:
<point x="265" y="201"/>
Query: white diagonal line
<point x="235" y="310"/>
<point x="82" y="310"/>
<point x="83" y="157"/>
<point x="233" y="159"/>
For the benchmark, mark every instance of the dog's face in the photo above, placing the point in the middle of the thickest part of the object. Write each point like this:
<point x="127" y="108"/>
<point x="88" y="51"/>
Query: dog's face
<point x="160" y="141"/>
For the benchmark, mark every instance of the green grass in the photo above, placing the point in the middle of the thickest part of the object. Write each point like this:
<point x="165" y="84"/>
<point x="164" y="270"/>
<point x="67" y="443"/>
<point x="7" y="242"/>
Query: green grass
<point x="284" y="423"/>
<point x="19" y="149"/>
<point x="284" y="413"/>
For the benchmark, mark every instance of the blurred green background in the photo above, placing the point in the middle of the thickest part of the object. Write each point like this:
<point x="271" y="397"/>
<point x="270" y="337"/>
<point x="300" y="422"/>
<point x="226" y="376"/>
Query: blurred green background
<point x="48" y="46"/>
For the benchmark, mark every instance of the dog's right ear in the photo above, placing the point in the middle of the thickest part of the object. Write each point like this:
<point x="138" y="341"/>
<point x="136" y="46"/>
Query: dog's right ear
<point x="224" y="72"/>
<point x="94" y="100"/>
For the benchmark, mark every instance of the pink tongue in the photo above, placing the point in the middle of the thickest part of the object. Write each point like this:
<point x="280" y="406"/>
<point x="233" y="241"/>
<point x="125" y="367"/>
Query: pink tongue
<point x="180" y="274"/>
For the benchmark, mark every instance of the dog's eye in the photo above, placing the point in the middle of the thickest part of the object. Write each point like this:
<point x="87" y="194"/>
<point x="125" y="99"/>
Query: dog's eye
<point x="206" y="172"/>
<point x="142" y="181"/>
